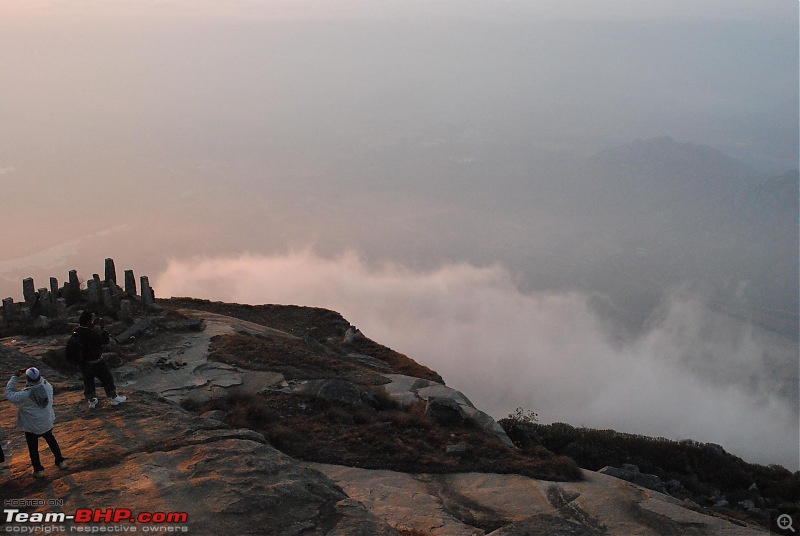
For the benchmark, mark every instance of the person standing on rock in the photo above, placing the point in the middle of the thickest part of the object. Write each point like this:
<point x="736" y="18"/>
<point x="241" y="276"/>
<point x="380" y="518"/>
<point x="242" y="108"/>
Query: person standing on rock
<point x="35" y="415"/>
<point x="92" y="363"/>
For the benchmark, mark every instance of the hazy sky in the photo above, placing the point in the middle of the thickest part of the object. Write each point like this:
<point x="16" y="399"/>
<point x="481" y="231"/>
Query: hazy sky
<point x="422" y="168"/>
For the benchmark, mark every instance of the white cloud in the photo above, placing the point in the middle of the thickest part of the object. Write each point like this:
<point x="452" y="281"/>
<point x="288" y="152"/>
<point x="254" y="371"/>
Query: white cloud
<point x="545" y="351"/>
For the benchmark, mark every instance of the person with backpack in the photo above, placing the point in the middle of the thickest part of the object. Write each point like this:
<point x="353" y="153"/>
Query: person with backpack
<point x="35" y="415"/>
<point x="88" y="342"/>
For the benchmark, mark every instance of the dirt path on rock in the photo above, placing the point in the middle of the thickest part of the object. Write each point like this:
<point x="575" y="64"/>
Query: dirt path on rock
<point x="181" y="368"/>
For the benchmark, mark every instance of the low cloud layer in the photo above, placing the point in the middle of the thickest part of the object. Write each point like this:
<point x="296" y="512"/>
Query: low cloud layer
<point x="695" y="374"/>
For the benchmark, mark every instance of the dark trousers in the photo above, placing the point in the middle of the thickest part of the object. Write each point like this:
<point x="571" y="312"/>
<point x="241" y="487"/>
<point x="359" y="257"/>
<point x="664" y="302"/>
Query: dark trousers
<point x="33" y="448"/>
<point x="100" y="371"/>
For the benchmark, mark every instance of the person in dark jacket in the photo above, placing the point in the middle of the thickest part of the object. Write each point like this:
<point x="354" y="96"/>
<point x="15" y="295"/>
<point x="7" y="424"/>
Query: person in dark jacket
<point x="92" y="363"/>
<point x="35" y="416"/>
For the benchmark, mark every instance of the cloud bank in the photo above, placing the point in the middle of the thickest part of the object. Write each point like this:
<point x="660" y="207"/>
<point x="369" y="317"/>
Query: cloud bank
<point x="695" y="374"/>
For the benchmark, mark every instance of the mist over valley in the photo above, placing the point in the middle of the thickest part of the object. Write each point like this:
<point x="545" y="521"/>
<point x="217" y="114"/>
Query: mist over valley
<point x="592" y="215"/>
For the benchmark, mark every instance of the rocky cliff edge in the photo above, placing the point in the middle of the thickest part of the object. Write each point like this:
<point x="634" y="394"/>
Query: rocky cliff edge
<point x="151" y="455"/>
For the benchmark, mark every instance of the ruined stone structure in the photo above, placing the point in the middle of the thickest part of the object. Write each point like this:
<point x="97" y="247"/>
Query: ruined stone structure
<point x="28" y="290"/>
<point x="103" y="294"/>
<point x="8" y="309"/>
<point x="111" y="272"/>
<point x="130" y="283"/>
<point x="148" y="297"/>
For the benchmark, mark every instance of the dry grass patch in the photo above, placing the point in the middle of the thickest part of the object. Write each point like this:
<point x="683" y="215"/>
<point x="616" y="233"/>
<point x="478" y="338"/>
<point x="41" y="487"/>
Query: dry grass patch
<point x="290" y="357"/>
<point x="399" y="439"/>
<point x="329" y="329"/>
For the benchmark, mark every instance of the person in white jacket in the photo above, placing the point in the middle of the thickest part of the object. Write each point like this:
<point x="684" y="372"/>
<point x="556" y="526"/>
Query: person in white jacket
<point x="35" y="415"/>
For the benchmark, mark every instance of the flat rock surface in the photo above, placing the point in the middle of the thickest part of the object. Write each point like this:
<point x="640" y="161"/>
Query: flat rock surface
<point x="196" y="373"/>
<point x="149" y="455"/>
<point x="479" y="503"/>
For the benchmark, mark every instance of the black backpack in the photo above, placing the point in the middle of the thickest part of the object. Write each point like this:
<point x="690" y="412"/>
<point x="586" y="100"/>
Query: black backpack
<point x="74" y="349"/>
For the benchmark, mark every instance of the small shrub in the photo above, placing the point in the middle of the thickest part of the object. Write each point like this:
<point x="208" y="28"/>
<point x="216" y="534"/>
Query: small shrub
<point x="281" y="437"/>
<point x="412" y="416"/>
<point x="523" y="416"/>
<point x="380" y="399"/>
<point x="362" y="416"/>
<point x="337" y="415"/>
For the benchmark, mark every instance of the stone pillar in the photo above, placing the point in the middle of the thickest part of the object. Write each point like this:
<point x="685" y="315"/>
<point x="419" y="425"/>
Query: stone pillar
<point x="8" y="311"/>
<point x="147" y="295"/>
<point x="44" y="298"/>
<point x="125" y="310"/>
<point x="53" y="289"/>
<point x="94" y="291"/>
<point x="97" y="279"/>
<point x="61" y="307"/>
<point x="74" y="283"/>
<point x="130" y="283"/>
<point x="111" y="272"/>
<point x="106" y="298"/>
<point x="28" y="290"/>
<point x="73" y="290"/>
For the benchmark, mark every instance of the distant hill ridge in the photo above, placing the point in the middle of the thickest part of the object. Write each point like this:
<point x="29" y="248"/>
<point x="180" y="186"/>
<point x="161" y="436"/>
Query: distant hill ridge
<point x="684" y="159"/>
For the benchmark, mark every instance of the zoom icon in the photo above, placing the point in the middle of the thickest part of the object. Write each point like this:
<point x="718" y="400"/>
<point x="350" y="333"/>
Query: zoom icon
<point x="785" y="522"/>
